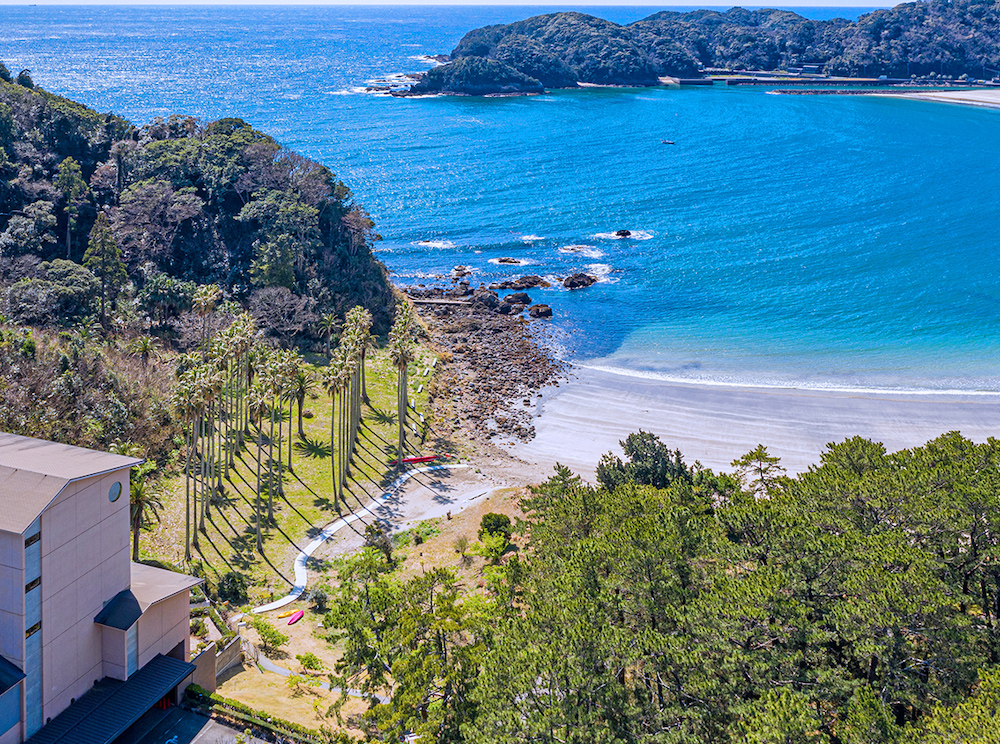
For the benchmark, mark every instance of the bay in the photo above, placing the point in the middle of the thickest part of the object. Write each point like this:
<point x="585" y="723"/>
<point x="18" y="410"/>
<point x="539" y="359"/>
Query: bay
<point x="815" y="241"/>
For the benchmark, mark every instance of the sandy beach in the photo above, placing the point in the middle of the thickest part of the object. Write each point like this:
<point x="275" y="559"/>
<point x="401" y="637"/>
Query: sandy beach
<point x="983" y="97"/>
<point x="588" y="415"/>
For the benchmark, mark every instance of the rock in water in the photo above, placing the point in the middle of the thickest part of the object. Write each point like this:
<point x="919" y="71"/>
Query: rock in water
<point x="578" y="281"/>
<point x="540" y="311"/>
<point x="623" y="233"/>
<point x="518" y="298"/>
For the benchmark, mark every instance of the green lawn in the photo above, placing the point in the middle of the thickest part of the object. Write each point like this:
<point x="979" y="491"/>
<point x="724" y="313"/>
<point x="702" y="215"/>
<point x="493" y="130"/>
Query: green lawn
<point x="307" y="503"/>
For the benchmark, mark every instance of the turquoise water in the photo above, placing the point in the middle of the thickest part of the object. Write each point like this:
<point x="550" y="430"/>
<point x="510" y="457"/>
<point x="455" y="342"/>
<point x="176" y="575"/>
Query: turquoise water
<point x="812" y="240"/>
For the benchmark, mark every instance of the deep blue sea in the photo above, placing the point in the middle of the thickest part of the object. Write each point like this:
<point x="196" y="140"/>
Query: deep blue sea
<point x="820" y="241"/>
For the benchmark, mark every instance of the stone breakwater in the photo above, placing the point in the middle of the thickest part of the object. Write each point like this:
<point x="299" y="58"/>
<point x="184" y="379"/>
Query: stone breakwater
<point x="494" y="364"/>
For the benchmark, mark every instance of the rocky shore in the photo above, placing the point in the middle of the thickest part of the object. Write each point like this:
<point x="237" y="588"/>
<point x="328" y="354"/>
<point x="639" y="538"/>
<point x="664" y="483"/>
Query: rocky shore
<point x="494" y="360"/>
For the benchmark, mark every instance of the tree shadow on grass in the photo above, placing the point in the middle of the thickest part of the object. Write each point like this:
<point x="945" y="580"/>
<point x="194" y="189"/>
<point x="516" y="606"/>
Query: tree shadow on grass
<point x="315" y="449"/>
<point x="382" y="417"/>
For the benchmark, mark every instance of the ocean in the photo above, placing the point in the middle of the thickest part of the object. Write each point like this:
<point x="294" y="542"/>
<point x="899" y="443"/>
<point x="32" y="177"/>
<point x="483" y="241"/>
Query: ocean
<point x="812" y="241"/>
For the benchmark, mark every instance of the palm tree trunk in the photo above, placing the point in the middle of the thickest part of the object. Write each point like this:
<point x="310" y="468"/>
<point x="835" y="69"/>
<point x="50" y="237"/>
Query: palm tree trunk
<point x="188" y="437"/>
<point x="196" y="490"/>
<point x="260" y="446"/>
<point x="136" y="524"/>
<point x="402" y="413"/>
<point x="270" y="468"/>
<point x="334" y="454"/>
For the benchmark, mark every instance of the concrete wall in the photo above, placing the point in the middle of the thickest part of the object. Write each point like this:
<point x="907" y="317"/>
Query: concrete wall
<point x="12" y="598"/>
<point x="205" y="668"/>
<point x="113" y="645"/>
<point x="85" y="562"/>
<point x="164" y="625"/>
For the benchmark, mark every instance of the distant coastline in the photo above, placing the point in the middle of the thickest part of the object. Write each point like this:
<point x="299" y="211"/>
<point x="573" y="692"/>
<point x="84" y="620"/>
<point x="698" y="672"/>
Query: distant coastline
<point x="928" y="43"/>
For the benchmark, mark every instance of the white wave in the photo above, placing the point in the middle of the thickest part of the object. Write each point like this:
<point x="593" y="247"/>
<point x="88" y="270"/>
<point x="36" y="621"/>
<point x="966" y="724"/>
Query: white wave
<point x="768" y="384"/>
<point x="515" y="262"/>
<point x="589" y="251"/>
<point x="347" y="91"/>
<point x="603" y="272"/>
<point x="418" y="275"/>
<point x="531" y="238"/>
<point x="445" y="244"/>
<point x="636" y="235"/>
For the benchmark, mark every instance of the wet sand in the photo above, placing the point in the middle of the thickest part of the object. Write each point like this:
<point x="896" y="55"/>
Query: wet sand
<point x="588" y="416"/>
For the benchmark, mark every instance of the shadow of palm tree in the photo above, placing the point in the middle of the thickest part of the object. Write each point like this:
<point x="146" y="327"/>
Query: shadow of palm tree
<point x="313" y="448"/>
<point x="382" y="417"/>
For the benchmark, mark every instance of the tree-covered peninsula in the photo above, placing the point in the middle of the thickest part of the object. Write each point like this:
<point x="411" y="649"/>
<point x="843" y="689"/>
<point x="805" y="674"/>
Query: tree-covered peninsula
<point x="562" y="50"/>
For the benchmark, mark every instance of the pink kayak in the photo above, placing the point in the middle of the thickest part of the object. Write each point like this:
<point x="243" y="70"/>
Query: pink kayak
<point x="296" y="617"/>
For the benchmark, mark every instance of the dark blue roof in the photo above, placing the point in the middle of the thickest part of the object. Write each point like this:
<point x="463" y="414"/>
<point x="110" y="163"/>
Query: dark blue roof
<point x="113" y="708"/>
<point x="121" y="612"/>
<point x="10" y="675"/>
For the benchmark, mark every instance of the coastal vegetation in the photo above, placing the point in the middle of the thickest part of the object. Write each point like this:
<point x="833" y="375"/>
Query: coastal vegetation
<point x="936" y="39"/>
<point x="856" y="602"/>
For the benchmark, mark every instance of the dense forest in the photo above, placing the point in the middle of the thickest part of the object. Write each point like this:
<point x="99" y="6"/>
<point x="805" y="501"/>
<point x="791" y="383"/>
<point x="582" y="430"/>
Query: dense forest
<point x="104" y="220"/>
<point x="857" y="603"/>
<point x="120" y="245"/>
<point x="924" y="39"/>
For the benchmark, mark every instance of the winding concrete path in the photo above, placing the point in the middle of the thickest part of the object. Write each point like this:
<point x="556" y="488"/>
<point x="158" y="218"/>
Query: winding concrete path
<point x="302" y="575"/>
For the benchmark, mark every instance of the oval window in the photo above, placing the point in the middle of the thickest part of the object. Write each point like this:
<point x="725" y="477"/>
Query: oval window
<point x="115" y="492"/>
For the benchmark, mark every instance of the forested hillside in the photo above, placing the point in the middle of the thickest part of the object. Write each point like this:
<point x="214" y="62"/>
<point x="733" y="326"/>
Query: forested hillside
<point x="559" y="50"/>
<point x="857" y="603"/>
<point x="145" y="214"/>
<point x="121" y="246"/>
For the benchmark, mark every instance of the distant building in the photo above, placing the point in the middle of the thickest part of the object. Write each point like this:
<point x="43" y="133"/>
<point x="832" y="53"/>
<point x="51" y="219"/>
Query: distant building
<point x="78" y="619"/>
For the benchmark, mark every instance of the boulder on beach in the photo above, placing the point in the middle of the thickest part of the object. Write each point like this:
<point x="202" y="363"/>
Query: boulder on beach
<point x="485" y="297"/>
<point x="578" y="281"/>
<point x="623" y="233"/>
<point x="540" y="311"/>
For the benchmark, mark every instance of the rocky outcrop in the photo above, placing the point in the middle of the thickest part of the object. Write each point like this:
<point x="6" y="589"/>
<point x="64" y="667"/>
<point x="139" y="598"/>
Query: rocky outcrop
<point x="524" y="282"/>
<point x="540" y="311"/>
<point x="492" y="367"/>
<point x="475" y="76"/>
<point x="578" y="281"/>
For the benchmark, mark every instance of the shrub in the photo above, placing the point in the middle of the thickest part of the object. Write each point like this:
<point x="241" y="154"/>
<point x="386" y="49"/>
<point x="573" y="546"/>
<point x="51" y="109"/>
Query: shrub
<point x="233" y="587"/>
<point x="270" y="637"/>
<point x="310" y="661"/>
<point x="495" y="524"/>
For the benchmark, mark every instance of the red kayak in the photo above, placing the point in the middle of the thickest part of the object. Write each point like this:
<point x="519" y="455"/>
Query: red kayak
<point x="416" y="460"/>
<point x="296" y="617"/>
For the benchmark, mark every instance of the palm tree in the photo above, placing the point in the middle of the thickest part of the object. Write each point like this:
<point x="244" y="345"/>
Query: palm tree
<point x="184" y="403"/>
<point x="401" y="351"/>
<point x="144" y="347"/>
<point x="333" y="382"/>
<point x="205" y="298"/>
<point x="256" y="405"/>
<point x="328" y="325"/>
<point x="144" y="506"/>
<point x="302" y="384"/>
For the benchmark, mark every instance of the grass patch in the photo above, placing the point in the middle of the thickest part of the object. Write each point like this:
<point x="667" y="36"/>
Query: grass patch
<point x="305" y="502"/>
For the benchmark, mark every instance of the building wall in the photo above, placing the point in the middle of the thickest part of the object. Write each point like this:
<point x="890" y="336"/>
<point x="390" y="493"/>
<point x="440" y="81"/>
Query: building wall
<point x="12" y="598"/>
<point x="164" y="625"/>
<point x="113" y="643"/>
<point x="85" y="562"/>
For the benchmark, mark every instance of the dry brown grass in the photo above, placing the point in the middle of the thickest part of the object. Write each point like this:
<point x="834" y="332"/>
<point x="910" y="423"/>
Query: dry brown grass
<point x="305" y="706"/>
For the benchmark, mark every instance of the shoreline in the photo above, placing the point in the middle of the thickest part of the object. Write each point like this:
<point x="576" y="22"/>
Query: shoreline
<point x="715" y="424"/>
<point x="521" y="409"/>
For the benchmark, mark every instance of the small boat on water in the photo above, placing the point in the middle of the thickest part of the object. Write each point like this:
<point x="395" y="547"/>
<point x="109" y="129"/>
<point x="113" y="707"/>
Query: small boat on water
<point x="289" y="613"/>
<point x="296" y="616"/>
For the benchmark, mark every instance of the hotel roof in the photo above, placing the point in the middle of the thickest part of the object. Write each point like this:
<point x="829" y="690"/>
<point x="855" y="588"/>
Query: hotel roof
<point x="33" y="472"/>
<point x="149" y="585"/>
